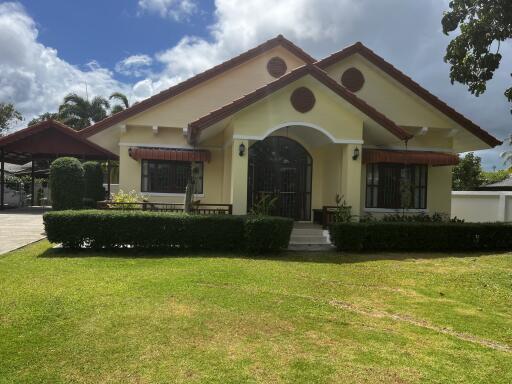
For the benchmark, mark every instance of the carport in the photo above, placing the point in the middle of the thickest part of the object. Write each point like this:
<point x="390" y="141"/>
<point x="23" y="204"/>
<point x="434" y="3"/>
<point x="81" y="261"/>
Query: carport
<point x="47" y="140"/>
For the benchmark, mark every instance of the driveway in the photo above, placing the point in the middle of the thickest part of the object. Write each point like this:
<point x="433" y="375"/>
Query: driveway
<point x="19" y="227"/>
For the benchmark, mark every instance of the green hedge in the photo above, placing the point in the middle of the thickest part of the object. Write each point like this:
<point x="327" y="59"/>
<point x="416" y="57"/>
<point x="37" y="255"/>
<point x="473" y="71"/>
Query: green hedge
<point x="264" y="233"/>
<point x="67" y="183"/>
<point x="140" y="229"/>
<point x="93" y="178"/>
<point x="400" y="236"/>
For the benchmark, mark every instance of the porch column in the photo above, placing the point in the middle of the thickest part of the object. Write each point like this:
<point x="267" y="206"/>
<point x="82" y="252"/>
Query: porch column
<point x="32" y="185"/>
<point x="239" y="172"/>
<point x="2" y="178"/>
<point x="351" y="177"/>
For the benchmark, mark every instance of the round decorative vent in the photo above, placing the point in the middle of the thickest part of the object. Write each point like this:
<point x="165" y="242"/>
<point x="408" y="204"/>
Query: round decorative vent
<point x="352" y="79"/>
<point x="302" y="99"/>
<point x="276" y="67"/>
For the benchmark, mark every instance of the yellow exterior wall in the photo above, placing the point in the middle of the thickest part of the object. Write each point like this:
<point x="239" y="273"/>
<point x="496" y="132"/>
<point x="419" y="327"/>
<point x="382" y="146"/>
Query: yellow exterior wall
<point x="130" y="169"/>
<point x="330" y="112"/>
<point x="387" y="96"/>
<point x="213" y="94"/>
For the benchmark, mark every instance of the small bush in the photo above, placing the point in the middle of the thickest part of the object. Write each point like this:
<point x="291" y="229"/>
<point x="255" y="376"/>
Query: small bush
<point x="415" y="236"/>
<point x="128" y="200"/>
<point x="267" y="233"/>
<point x="143" y="229"/>
<point x="93" y="179"/>
<point x="67" y="183"/>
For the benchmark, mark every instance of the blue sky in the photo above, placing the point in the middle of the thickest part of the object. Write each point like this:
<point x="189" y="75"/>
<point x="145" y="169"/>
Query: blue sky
<point x="140" y="47"/>
<point x="108" y="31"/>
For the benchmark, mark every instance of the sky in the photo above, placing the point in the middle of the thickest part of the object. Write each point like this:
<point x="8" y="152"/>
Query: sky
<point x="140" y="47"/>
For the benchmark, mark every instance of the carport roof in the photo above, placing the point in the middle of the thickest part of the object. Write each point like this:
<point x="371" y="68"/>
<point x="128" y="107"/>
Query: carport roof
<point x="49" y="139"/>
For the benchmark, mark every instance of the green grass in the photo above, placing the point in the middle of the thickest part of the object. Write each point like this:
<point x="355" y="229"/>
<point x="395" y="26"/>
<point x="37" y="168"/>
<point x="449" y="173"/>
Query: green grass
<point x="294" y="318"/>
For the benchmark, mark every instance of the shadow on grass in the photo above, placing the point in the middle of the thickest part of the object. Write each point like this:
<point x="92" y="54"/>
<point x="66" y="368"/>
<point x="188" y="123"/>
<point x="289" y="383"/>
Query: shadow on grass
<point x="330" y="257"/>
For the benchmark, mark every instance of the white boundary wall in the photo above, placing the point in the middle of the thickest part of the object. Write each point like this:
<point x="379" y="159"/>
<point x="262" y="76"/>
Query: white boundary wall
<point x="482" y="206"/>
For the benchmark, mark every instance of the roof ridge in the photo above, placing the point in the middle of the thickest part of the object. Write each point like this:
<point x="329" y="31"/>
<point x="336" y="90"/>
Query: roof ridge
<point x="412" y="85"/>
<point x="222" y="112"/>
<point x="196" y="80"/>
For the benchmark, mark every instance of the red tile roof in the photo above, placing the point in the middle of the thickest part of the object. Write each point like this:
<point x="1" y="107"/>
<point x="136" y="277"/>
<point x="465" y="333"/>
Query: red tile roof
<point x="196" y="126"/>
<point x="409" y="157"/>
<point x="195" y="80"/>
<point x="409" y="83"/>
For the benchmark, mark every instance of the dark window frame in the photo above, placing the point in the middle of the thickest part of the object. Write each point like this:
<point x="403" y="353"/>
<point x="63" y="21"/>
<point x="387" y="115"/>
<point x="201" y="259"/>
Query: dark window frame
<point x="171" y="180"/>
<point x="383" y="185"/>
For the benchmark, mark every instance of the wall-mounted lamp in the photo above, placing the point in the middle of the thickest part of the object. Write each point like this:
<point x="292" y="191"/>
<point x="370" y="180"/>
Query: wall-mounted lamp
<point x="241" y="149"/>
<point x="355" y="154"/>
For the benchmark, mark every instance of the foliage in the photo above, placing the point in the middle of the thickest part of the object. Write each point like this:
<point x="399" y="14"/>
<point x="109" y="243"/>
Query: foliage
<point x="419" y="218"/>
<point x="93" y="179"/>
<point x="267" y="233"/>
<point x="67" y="183"/>
<point x="144" y="229"/>
<point x="129" y="198"/>
<point x="120" y="97"/>
<point x="8" y="116"/>
<point x="495" y="176"/>
<point x="342" y="214"/>
<point x="13" y="182"/>
<point x="414" y="236"/>
<point x="264" y="206"/>
<point x="474" y="55"/>
<point x="190" y="189"/>
<point x="79" y="113"/>
<point x="467" y="175"/>
<point x="43" y="117"/>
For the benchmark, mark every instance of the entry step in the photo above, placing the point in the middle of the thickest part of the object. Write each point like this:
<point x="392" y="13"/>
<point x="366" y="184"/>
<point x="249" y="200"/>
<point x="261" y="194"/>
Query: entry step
<point x="309" y="237"/>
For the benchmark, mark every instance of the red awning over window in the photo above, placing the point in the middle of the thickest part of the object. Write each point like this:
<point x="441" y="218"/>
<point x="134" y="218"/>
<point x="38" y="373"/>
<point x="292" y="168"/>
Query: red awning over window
<point x="409" y="157"/>
<point x="178" y="154"/>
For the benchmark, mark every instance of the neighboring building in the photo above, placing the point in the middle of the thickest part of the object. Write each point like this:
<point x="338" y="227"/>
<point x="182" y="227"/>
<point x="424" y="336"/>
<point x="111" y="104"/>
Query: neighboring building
<point x="275" y="120"/>
<point x="504" y="185"/>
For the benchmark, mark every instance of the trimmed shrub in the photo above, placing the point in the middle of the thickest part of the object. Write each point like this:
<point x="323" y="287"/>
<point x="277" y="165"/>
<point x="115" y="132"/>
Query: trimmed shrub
<point x="411" y="236"/>
<point x="93" y="181"/>
<point x="267" y="233"/>
<point x="67" y="183"/>
<point x="144" y="229"/>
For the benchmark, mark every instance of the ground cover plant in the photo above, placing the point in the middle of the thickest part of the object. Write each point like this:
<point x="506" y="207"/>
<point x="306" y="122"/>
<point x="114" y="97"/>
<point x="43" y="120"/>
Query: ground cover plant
<point x="151" y="317"/>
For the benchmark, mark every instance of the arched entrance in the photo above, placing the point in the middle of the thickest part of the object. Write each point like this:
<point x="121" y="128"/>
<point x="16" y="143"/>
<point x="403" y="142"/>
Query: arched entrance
<point x="281" y="167"/>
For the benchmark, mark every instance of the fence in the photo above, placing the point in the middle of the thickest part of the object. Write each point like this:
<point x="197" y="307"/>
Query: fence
<point x="201" y="209"/>
<point x="482" y="206"/>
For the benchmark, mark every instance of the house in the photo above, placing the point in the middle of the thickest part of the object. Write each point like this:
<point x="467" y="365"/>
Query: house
<point x="274" y="120"/>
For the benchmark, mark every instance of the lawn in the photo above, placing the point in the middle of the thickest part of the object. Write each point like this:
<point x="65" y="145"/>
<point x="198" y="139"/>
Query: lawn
<point x="292" y="318"/>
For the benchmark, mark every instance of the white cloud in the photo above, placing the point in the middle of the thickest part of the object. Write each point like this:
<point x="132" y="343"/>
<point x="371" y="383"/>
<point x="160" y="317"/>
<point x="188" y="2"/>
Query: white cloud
<point x="406" y="33"/>
<point x="33" y="77"/>
<point x="177" y="10"/>
<point x="135" y="65"/>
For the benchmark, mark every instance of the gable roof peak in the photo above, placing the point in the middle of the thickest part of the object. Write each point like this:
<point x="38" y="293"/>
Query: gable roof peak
<point x="413" y="86"/>
<point x="196" y="80"/>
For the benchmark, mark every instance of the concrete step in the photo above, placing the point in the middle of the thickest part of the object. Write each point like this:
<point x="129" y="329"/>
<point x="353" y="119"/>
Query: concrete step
<point x="307" y="232"/>
<point x="311" y="247"/>
<point x="309" y="239"/>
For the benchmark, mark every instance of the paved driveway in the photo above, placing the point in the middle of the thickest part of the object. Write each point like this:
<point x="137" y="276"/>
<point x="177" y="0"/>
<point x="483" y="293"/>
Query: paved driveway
<point x="19" y="227"/>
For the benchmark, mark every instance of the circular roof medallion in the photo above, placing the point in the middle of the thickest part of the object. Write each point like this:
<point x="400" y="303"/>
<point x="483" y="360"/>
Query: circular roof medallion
<point x="302" y="99"/>
<point x="352" y="79"/>
<point x="276" y="67"/>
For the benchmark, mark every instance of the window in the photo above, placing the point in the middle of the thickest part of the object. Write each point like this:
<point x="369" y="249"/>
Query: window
<point x="396" y="186"/>
<point x="169" y="176"/>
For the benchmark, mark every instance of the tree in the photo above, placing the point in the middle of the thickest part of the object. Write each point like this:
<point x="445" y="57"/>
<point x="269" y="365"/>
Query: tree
<point x="43" y="117"/>
<point x="8" y="116"/>
<point x="495" y="176"/>
<point x="467" y="175"/>
<point x="79" y="113"/>
<point x="474" y="54"/>
<point x="67" y="183"/>
<point x="118" y="96"/>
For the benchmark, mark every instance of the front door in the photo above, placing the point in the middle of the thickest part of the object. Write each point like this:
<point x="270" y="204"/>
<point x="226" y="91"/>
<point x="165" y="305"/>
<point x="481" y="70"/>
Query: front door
<point x="280" y="167"/>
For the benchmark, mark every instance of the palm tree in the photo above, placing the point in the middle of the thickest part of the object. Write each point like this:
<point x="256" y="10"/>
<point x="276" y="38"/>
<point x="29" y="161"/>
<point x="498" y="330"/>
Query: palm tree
<point x="118" y="96"/>
<point x="79" y="113"/>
